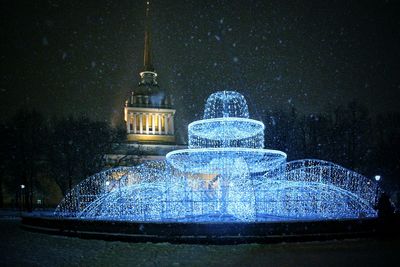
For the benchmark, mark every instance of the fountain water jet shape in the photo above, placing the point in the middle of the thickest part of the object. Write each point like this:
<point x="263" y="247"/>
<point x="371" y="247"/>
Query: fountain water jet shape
<point x="224" y="175"/>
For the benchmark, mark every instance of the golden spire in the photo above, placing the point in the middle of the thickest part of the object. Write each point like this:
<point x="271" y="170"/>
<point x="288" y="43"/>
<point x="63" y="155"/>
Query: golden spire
<point x="148" y="66"/>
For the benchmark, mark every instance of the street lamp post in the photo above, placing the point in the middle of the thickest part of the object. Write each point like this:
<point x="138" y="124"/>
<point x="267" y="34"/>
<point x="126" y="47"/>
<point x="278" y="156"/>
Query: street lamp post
<point x="377" y="179"/>
<point x="22" y="186"/>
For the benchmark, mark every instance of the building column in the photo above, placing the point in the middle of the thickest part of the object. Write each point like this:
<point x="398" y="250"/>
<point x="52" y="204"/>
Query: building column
<point x="141" y="122"/>
<point x="159" y="123"/>
<point x="128" y="123"/>
<point x="166" y="123"/>
<point x="134" y="123"/>
<point x="147" y="123"/>
<point x="172" y="125"/>
<point x="153" y="125"/>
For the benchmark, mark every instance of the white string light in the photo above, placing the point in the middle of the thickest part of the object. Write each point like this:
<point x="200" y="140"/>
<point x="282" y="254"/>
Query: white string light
<point x="224" y="175"/>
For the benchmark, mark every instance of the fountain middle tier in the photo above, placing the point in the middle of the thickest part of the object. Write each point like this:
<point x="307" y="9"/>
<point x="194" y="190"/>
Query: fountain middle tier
<point x="226" y="132"/>
<point x="220" y="160"/>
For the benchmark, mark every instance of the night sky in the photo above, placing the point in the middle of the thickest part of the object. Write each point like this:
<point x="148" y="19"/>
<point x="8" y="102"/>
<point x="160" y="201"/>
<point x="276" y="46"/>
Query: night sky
<point x="83" y="57"/>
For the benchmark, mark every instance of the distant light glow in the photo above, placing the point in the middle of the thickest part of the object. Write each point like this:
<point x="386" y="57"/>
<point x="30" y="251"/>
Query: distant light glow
<point x="224" y="175"/>
<point x="377" y="178"/>
<point x="22" y="186"/>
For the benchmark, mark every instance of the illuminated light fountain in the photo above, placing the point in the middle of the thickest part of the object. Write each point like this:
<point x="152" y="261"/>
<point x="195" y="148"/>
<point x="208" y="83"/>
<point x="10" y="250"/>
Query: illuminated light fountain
<point x="228" y="146"/>
<point x="225" y="175"/>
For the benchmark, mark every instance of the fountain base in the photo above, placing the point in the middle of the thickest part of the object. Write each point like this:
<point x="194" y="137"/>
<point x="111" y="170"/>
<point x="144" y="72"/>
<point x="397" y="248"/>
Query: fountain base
<point x="212" y="233"/>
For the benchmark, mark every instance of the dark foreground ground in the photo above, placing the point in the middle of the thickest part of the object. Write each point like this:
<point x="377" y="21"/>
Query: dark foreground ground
<point x="22" y="248"/>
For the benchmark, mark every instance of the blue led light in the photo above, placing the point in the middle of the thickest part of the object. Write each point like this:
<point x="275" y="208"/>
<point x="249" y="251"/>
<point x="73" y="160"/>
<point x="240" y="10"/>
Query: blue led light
<point x="224" y="175"/>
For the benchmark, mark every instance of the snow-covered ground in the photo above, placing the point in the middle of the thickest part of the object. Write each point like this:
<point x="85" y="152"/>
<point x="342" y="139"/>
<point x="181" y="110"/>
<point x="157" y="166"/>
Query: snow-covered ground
<point x="22" y="248"/>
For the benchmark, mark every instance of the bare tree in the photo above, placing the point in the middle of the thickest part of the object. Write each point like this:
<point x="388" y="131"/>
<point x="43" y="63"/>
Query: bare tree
<point x="77" y="149"/>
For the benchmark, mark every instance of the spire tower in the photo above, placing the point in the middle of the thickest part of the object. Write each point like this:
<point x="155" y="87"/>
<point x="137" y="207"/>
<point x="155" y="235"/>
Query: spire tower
<point x="147" y="66"/>
<point x="149" y="112"/>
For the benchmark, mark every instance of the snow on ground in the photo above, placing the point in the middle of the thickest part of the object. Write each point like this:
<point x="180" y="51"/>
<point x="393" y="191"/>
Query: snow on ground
<point x="19" y="247"/>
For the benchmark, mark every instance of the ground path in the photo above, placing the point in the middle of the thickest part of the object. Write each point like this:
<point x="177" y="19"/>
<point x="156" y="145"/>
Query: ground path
<point x="22" y="248"/>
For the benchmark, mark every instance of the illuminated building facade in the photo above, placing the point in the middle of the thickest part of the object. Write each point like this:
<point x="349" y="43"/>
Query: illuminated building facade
<point x="148" y="115"/>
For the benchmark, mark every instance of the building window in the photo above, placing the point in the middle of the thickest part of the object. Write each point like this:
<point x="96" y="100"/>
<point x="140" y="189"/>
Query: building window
<point x="151" y="122"/>
<point x="162" y="123"/>
<point x="130" y="123"/>
<point x="156" y="122"/>
<point x="137" y="117"/>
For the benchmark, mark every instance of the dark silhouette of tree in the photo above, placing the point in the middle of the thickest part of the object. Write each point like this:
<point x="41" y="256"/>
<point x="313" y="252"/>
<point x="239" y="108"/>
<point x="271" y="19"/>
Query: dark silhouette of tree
<point x="76" y="149"/>
<point x="385" y="159"/>
<point x="314" y="139"/>
<point x="4" y="158"/>
<point x="351" y="134"/>
<point x="27" y="144"/>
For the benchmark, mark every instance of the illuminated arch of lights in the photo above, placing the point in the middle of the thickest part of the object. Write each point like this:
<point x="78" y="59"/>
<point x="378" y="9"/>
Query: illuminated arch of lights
<point x="224" y="175"/>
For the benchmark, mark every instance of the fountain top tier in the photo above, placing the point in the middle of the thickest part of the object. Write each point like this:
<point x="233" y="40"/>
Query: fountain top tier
<point x="225" y="104"/>
<point x="226" y="123"/>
